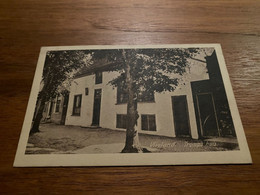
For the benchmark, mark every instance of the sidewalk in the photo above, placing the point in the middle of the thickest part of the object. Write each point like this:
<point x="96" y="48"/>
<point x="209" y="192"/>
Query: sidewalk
<point x="59" y="139"/>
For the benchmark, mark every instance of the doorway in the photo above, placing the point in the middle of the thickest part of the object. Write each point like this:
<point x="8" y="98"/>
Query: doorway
<point x="181" y="116"/>
<point x="207" y="115"/>
<point x="50" y="110"/>
<point x="64" y="109"/>
<point x="96" y="107"/>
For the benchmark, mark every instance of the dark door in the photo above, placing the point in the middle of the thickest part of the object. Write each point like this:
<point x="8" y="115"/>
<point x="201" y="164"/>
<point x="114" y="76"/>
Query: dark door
<point x="64" y="109"/>
<point x="97" y="105"/>
<point x="50" y="110"/>
<point x="207" y="115"/>
<point x="181" y="116"/>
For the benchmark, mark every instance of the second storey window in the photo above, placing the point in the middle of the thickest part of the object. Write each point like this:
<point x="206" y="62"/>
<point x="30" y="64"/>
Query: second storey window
<point x="146" y="96"/>
<point x="122" y="95"/>
<point x="77" y="105"/>
<point x="98" y="77"/>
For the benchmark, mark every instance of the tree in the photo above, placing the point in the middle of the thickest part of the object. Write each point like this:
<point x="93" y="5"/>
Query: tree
<point x="59" y="66"/>
<point x="142" y="72"/>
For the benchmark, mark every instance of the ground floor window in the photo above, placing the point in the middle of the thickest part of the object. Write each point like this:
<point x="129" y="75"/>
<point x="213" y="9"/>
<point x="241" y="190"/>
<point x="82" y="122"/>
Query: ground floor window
<point x="148" y="122"/>
<point x="77" y="105"/>
<point x="121" y="121"/>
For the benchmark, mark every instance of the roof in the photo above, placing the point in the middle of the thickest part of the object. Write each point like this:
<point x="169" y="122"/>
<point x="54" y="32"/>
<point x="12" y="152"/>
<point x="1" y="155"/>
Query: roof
<point x="96" y="66"/>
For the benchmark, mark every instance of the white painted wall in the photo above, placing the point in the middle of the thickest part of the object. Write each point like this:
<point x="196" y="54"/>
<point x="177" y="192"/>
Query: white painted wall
<point x="162" y="107"/>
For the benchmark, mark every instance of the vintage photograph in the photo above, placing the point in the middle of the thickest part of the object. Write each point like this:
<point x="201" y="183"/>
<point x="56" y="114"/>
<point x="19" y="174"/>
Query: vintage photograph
<point x="125" y="100"/>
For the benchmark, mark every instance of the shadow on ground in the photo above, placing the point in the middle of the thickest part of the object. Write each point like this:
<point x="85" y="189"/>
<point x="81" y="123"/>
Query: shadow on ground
<point x="59" y="139"/>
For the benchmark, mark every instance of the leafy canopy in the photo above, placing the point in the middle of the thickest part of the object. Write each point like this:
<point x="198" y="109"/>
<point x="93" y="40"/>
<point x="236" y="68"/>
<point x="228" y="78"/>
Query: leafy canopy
<point x="59" y="65"/>
<point x="151" y="69"/>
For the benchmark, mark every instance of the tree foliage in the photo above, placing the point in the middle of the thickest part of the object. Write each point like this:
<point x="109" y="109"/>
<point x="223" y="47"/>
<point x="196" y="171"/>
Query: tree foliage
<point x="59" y="66"/>
<point x="152" y="70"/>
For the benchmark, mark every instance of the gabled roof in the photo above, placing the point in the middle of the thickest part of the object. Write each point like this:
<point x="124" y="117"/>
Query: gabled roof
<point x="96" y="66"/>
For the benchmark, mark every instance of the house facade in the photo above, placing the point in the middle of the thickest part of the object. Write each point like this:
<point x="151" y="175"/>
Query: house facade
<point x="55" y="110"/>
<point x="181" y="113"/>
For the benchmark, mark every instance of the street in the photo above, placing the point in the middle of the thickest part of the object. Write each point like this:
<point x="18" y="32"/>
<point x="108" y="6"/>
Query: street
<point x="60" y="139"/>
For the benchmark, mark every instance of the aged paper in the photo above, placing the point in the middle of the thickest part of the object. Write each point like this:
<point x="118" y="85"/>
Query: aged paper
<point x="131" y="105"/>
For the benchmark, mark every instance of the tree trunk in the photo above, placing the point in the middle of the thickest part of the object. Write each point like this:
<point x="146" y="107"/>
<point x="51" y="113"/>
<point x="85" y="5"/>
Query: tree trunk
<point x="132" y="144"/>
<point x="38" y="117"/>
<point x="42" y="99"/>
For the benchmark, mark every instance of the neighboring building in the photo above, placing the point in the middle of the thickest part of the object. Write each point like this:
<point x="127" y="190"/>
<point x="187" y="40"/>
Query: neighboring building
<point x="55" y="110"/>
<point x="211" y="105"/>
<point x="192" y="110"/>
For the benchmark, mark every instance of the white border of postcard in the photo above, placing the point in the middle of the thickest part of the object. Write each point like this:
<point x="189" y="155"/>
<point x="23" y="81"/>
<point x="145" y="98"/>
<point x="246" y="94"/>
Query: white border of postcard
<point x="241" y="156"/>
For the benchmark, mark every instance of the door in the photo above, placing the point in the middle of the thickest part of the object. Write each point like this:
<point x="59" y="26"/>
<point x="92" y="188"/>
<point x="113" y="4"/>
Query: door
<point x="181" y="116"/>
<point x="64" y="109"/>
<point x="207" y="115"/>
<point x="96" y="107"/>
<point x="50" y="110"/>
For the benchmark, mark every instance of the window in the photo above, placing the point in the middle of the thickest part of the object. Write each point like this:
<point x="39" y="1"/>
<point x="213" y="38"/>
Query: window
<point x="122" y="96"/>
<point x="121" y="121"/>
<point x="77" y="105"/>
<point x="146" y="96"/>
<point x="86" y="91"/>
<point x="57" y="108"/>
<point x="98" y="77"/>
<point x="148" y="122"/>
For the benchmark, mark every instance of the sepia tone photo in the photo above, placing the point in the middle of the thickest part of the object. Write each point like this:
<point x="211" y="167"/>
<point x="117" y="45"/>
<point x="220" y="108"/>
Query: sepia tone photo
<point x="150" y="100"/>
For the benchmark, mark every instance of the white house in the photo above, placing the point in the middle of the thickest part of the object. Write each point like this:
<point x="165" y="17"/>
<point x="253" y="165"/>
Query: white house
<point x="55" y="109"/>
<point x="94" y="102"/>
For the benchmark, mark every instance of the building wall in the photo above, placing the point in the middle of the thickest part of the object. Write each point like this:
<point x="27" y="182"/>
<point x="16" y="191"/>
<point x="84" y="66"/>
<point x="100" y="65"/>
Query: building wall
<point x="162" y="107"/>
<point x="45" y="114"/>
<point x="53" y="116"/>
<point x="78" y="86"/>
<point x="56" y="116"/>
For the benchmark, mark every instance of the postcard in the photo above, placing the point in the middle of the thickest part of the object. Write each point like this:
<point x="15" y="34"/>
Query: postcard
<point x="130" y="106"/>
